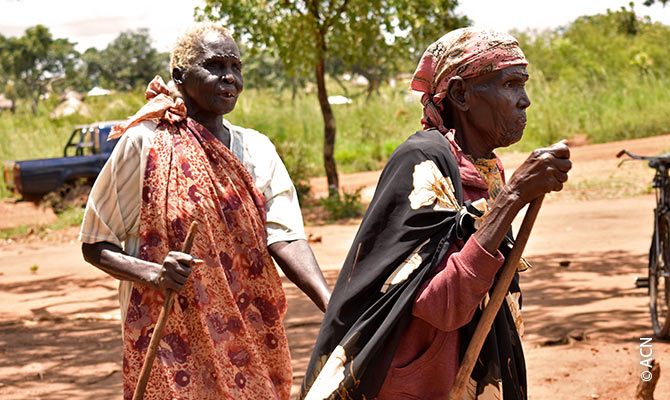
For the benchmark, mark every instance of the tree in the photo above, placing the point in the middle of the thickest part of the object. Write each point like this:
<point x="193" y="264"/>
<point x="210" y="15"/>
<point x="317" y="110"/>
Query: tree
<point x="263" y="69"/>
<point x="88" y="71"/>
<point x="649" y="3"/>
<point x="600" y="48"/>
<point x="305" y="34"/>
<point x="127" y="62"/>
<point x="32" y="62"/>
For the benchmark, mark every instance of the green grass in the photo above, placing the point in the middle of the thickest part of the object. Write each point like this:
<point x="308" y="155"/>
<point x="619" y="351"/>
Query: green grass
<point x="368" y="130"/>
<point x="66" y="219"/>
<point x="603" y="76"/>
<point x="614" y="109"/>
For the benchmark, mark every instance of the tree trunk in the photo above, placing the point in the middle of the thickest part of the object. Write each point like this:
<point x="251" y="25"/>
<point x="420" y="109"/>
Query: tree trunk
<point x="33" y="104"/>
<point x="373" y="86"/>
<point x="329" y="127"/>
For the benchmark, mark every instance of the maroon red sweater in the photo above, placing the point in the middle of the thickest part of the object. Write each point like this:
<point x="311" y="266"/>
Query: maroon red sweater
<point x="427" y="358"/>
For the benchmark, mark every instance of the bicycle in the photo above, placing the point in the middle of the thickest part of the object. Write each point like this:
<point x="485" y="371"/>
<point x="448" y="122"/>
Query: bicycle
<point x="658" y="281"/>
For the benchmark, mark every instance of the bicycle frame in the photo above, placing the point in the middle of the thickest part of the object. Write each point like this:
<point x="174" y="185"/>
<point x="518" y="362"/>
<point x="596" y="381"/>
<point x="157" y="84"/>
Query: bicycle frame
<point x="659" y="254"/>
<point x="660" y="185"/>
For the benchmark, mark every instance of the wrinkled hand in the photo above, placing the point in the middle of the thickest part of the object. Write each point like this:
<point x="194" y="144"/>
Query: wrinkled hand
<point x="175" y="271"/>
<point x="544" y="171"/>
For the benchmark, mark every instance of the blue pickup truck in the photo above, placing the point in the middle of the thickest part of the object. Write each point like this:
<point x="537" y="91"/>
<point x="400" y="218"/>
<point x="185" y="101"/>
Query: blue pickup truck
<point x="69" y="176"/>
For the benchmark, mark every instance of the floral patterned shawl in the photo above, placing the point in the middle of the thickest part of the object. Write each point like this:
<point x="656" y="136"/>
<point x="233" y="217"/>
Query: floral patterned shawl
<point x="405" y="233"/>
<point x="224" y="337"/>
<point x="416" y="213"/>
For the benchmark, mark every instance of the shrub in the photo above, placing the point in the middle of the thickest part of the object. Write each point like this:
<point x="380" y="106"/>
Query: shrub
<point x="347" y="205"/>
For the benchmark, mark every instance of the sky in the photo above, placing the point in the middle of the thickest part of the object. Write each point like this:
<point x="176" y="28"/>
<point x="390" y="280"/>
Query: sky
<point x="92" y="23"/>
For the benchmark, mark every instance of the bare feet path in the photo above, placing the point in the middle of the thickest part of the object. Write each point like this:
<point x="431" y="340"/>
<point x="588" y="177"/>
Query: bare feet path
<point x="60" y="328"/>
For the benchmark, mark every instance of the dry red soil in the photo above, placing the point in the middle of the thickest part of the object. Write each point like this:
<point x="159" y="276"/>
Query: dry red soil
<point x="60" y="328"/>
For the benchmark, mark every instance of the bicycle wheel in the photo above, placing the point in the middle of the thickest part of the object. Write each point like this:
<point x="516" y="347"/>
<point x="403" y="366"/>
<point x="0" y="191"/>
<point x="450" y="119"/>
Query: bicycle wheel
<point x="659" y="279"/>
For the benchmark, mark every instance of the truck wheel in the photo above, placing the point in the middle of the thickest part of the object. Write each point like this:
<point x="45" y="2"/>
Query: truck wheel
<point x="77" y="195"/>
<point x="36" y="199"/>
<point x="70" y="195"/>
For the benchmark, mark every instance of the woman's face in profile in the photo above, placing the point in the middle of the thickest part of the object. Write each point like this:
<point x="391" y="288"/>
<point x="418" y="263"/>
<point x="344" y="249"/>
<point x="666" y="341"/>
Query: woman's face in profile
<point x="214" y="81"/>
<point x="498" y="102"/>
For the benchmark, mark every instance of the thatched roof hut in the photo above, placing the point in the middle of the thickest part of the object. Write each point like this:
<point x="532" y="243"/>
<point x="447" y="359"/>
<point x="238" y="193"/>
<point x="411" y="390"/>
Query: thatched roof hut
<point x="5" y="103"/>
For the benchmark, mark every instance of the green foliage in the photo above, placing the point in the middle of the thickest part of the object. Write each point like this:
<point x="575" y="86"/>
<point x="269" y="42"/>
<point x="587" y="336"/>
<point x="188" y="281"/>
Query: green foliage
<point x="129" y="61"/>
<point x="66" y="218"/>
<point x="595" y="48"/>
<point x="605" y="76"/>
<point x="591" y="78"/>
<point x="32" y="62"/>
<point x="651" y="2"/>
<point x="35" y="64"/>
<point x="346" y="205"/>
<point x="380" y="40"/>
<point x="261" y="68"/>
<point x="368" y="35"/>
<point x="615" y="109"/>
<point x="369" y="130"/>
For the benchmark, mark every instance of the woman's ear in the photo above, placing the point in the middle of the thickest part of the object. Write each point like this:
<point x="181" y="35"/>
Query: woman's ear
<point x="456" y="89"/>
<point x="177" y="75"/>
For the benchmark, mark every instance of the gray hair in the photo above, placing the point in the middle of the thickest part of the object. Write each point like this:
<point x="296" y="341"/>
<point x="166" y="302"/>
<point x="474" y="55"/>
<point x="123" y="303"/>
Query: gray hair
<point x="188" y="44"/>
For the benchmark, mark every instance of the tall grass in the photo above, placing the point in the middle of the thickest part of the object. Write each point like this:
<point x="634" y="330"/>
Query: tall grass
<point x="614" y="109"/>
<point x="368" y="130"/>
<point x="604" y="76"/>
<point x="24" y="135"/>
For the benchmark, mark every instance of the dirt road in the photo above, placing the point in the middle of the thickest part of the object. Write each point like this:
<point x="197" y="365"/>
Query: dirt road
<point x="60" y="328"/>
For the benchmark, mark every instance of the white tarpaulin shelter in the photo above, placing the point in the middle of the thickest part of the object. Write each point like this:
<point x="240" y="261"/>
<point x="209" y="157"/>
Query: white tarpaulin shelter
<point x="98" y="91"/>
<point x="338" y="100"/>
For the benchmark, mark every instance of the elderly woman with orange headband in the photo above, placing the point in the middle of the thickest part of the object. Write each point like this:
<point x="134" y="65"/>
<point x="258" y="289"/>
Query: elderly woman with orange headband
<point x="427" y="252"/>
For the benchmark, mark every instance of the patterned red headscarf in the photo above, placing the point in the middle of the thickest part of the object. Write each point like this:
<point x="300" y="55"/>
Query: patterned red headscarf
<point x="466" y="52"/>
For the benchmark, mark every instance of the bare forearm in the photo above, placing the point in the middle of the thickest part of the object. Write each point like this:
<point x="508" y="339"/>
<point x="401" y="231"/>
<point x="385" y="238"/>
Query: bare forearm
<point x="299" y="265"/>
<point x="112" y="260"/>
<point x="545" y="170"/>
<point x="498" y="221"/>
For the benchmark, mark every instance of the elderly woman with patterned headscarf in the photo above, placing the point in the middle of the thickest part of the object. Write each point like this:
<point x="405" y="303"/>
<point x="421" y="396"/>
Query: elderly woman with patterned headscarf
<point x="179" y="161"/>
<point x="427" y="252"/>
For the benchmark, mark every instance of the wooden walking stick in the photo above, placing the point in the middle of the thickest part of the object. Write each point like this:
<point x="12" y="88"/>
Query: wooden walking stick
<point x="160" y="324"/>
<point x="497" y="296"/>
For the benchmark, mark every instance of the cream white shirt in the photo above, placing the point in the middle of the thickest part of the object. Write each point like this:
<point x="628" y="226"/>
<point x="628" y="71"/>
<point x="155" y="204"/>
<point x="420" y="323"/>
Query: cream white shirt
<point x="113" y="209"/>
